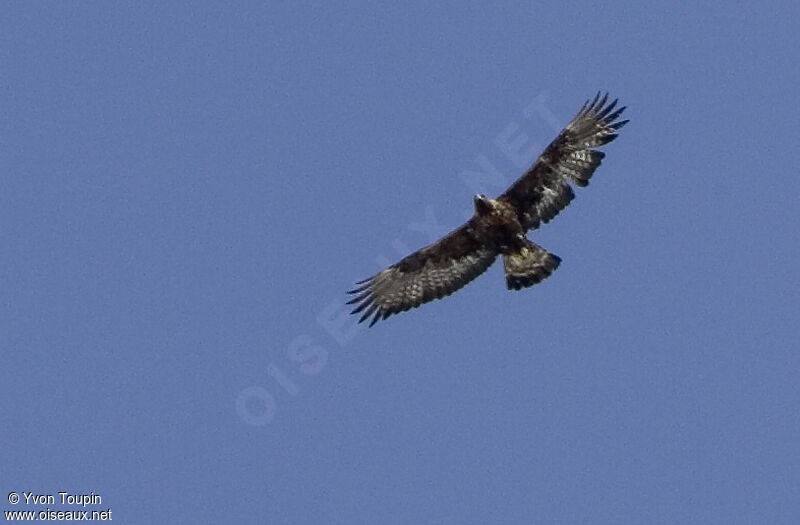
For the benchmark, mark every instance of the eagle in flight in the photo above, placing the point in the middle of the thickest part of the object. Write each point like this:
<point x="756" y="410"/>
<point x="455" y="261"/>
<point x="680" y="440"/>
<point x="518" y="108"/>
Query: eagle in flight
<point x="499" y="225"/>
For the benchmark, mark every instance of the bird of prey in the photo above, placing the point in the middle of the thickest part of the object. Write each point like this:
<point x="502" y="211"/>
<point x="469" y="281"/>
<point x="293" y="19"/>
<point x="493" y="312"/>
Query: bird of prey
<point x="499" y="225"/>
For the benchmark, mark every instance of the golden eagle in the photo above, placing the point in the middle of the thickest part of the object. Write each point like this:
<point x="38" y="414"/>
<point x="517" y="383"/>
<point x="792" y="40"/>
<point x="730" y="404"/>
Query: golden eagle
<point x="499" y="225"/>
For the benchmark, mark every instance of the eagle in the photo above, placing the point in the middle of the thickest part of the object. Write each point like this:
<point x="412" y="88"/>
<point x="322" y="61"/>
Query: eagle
<point x="498" y="226"/>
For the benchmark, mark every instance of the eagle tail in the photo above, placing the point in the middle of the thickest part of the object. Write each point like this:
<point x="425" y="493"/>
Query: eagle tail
<point x="529" y="265"/>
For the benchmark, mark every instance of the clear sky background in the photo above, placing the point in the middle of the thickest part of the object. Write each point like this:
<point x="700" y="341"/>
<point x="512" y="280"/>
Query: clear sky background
<point x="188" y="189"/>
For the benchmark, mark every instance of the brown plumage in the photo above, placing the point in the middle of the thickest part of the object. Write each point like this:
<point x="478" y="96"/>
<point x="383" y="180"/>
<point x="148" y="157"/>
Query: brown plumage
<point x="499" y="225"/>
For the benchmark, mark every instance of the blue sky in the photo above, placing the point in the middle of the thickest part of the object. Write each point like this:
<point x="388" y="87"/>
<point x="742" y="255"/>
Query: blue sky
<point x="189" y="188"/>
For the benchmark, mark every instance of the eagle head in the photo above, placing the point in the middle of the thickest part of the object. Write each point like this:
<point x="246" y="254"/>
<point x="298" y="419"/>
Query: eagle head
<point x="483" y="205"/>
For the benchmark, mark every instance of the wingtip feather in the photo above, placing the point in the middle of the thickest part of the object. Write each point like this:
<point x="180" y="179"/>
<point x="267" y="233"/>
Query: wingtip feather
<point x="358" y="308"/>
<point x="602" y="101"/>
<point x="618" y="125"/>
<point x="368" y="312"/>
<point x="606" y="110"/>
<point x="375" y="319"/>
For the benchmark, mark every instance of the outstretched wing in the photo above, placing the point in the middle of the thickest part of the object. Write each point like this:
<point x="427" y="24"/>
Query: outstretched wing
<point x="543" y="190"/>
<point x="431" y="273"/>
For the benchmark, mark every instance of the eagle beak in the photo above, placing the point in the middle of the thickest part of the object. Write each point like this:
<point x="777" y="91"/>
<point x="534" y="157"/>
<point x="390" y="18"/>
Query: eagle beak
<point x="482" y="204"/>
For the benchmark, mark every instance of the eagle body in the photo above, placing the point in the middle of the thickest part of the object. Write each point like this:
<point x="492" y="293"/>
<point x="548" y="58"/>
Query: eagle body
<point x="496" y="223"/>
<point x="498" y="226"/>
